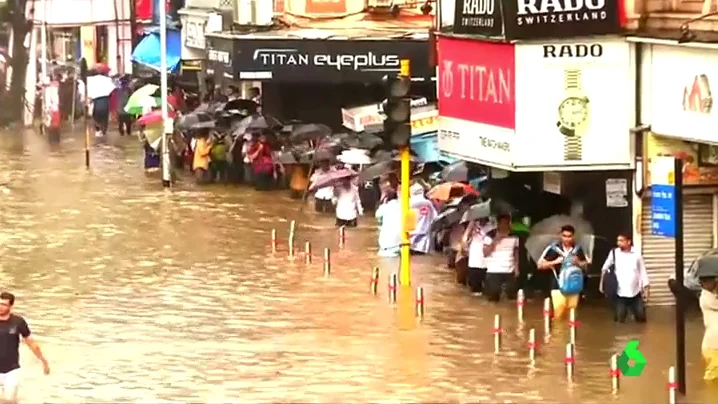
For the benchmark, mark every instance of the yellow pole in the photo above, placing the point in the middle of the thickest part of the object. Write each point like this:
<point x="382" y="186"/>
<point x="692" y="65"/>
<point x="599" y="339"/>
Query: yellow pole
<point x="405" y="268"/>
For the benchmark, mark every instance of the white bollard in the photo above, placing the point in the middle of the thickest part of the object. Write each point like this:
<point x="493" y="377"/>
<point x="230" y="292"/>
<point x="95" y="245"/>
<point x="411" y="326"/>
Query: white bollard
<point x="672" y="385"/>
<point x="374" y="283"/>
<point x="292" y="228"/>
<point x="497" y="333"/>
<point x="393" y="282"/>
<point x="420" y="302"/>
<point x="342" y="237"/>
<point x="520" y="301"/>
<point x="307" y="253"/>
<point x="327" y="262"/>
<point x="572" y="324"/>
<point x="290" y="247"/>
<point x="570" y="360"/>
<point x="532" y="345"/>
<point x="547" y="317"/>
<point x="274" y="241"/>
<point x="615" y="374"/>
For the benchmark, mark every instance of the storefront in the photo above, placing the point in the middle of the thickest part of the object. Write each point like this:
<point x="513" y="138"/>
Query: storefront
<point x="194" y="45"/>
<point x="677" y="102"/>
<point x="311" y="79"/>
<point x="562" y="107"/>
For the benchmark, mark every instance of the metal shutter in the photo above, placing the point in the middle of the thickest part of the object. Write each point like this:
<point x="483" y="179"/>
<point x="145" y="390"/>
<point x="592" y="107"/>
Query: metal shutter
<point x="657" y="251"/>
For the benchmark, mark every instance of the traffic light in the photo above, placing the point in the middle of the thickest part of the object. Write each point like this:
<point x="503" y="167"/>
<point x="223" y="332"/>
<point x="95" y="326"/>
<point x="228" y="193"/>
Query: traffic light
<point x="397" y="107"/>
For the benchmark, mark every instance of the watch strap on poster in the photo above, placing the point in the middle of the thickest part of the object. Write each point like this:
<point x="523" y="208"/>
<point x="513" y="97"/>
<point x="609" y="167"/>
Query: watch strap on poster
<point x="572" y="148"/>
<point x="573" y="79"/>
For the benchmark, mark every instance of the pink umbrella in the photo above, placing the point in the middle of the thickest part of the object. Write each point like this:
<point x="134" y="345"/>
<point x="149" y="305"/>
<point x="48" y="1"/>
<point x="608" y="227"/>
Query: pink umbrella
<point x="332" y="178"/>
<point x="153" y="118"/>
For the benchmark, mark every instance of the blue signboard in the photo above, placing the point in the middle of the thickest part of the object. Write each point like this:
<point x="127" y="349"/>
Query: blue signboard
<point x="663" y="209"/>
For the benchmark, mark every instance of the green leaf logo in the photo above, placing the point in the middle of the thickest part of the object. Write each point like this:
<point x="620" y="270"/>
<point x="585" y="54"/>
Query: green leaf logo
<point x="631" y="362"/>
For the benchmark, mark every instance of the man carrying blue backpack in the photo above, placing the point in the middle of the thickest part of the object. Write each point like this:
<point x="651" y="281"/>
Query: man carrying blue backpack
<point x="567" y="261"/>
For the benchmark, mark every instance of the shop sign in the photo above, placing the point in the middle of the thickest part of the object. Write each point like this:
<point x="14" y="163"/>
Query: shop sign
<point x="325" y="6"/>
<point x="479" y="17"/>
<point x="680" y="100"/>
<point x="574" y="106"/>
<point x="700" y="161"/>
<point x="194" y="33"/>
<point x="477" y="100"/>
<point x="424" y="118"/>
<point x="303" y="60"/>
<point x="223" y="57"/>
<point x="534" y="19"/>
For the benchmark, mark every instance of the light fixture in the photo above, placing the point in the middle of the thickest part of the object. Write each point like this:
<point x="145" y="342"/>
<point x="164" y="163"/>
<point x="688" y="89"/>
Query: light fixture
<point x="686" y="34"/>
<point x="426" y="9"/>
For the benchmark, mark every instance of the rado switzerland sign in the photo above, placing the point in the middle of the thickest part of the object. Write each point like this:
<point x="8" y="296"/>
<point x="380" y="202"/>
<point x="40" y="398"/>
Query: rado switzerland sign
<point x="482" y="17"/>
<point x="533" y="19"/>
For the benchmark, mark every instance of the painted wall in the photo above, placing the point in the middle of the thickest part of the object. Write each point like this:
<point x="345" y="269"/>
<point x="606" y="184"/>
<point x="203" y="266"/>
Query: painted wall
<point x="81" y="12"/>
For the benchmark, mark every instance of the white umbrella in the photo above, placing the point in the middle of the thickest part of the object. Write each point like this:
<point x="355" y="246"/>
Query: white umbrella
<point x="99" y="86"/>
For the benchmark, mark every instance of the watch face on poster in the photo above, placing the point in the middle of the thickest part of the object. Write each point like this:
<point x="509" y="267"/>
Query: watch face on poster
<point x="573" y="111"/>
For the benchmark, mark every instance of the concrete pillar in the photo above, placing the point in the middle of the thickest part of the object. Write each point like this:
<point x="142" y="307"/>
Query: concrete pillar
<point x="112" y="49"/>
<point x="31" y="80"/>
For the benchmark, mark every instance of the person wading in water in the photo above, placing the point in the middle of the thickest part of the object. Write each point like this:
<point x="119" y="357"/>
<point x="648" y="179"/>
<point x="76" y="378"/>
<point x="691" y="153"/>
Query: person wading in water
<point x="12" y="328"/>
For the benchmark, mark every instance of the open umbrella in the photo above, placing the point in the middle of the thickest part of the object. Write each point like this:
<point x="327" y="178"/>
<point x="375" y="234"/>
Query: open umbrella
<point x="185" y="122"/>
<point x="376" y="170"/>
<point x="257" y="122"/>
<point x="148" y="90"/>
<point x="706" y="266"/>
<point x="248" y="107"/>
<point x="455" y="172"/>
<point x="153" y="118"/>
<point x="331" y="178"/>
<point x="447" y="218"/>
<point x="478" y="211"/>
<point x="547" y="231"/>
<point x="309" y="132"/>
<point x="449" y="190"/>
<point x="99" y="86"/>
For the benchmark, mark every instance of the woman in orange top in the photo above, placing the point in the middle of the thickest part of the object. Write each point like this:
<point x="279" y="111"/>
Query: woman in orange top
<point x="200" y="163"/>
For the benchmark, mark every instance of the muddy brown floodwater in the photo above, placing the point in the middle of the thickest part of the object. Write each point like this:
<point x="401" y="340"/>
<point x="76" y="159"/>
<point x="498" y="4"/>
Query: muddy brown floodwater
<point x="142" y="295"/>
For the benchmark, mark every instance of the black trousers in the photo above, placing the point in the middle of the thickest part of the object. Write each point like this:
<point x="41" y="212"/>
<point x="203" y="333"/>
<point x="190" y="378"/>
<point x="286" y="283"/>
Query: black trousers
<point x="476" y="278"/>
<point x="323" y="205"/>
<point x="124" y="123"/>
<point x="346" y="223"/>
<point x="622" y="306"/>
<point x="494" y="284"/>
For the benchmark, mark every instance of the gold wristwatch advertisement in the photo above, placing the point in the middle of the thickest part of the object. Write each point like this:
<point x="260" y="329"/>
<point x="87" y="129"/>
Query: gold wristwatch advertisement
<point x="573" y="116"/>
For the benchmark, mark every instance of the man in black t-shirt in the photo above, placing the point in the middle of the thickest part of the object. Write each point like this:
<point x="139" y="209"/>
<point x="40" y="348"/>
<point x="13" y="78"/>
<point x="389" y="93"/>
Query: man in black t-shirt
<point x="12" y="328"/>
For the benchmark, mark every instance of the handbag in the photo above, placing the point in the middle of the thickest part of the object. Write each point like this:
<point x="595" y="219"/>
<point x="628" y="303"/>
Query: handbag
<point x="610" y="281"/>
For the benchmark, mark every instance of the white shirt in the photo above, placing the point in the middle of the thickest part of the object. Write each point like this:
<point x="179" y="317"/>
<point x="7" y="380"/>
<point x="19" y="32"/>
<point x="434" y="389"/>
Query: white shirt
<point x="476" y="246"/>
<point x="503" y="259"/>
<point x="348" y="204"/>
<point x="631" y="272"/>
<point x="709" y="308"/>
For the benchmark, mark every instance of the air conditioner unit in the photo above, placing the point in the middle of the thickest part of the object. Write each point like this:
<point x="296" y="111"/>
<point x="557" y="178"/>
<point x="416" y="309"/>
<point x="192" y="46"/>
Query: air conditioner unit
<point x="253" y="12"/>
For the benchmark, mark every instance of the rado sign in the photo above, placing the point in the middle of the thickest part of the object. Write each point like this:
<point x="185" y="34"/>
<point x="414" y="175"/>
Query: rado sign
<point x="532" y="19"/>
<point x="483" y="17"/>
<point x="573" y="51"/>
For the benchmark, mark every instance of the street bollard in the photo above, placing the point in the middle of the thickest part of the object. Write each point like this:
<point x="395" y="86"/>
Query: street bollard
<point x="615" y="374"/>
<point x="307" y="253"/>
<point x="393" y="282"/>
<point x="274" y="241"/>
<point x="327" y="262"/>
<point x="342" y="237"/>
<point x="374" y="283"/>
<point x="292" y="228"/>
<point x="570" y="360"/>
<point x="672" y="385"/>
<point x="497" y="333"/>
<point x="532" y="345"/>
<point x="520" y="301"/>
<point x="420" y="302"/>
<point x="290" y="247"/>
<point x="572" y="324"/>
<point x="547" y="317"/>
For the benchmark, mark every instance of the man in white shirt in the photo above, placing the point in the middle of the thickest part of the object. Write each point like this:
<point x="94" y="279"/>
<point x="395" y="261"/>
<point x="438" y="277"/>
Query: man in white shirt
<point x="501" y="249"/>
<point x="631" y="281"/>
<point x="473" y="239"/>
<point x="348" y="205"/>
<point x="323" y="196"/>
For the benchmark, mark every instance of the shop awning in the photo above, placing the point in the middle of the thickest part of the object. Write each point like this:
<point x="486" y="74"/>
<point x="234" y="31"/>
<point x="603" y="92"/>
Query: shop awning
<point x="147" y="51"/>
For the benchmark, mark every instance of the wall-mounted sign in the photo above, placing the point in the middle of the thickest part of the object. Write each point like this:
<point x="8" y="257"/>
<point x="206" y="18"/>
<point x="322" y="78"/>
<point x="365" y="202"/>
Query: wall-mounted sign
<point x="194" y="33"/>
<point x="700" y="161"/>
<point x="214" y="55"/>
<point x="479" y="17"/>
<point x="328" y="60"/>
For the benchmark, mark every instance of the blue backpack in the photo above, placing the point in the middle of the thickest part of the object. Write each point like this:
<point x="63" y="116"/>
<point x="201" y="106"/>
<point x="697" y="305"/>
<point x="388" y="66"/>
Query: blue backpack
<point x="570" y="280"/>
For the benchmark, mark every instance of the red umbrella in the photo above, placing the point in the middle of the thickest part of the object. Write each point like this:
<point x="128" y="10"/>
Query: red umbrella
<point x="331" y="178"/>
<point x="153" y="118"/>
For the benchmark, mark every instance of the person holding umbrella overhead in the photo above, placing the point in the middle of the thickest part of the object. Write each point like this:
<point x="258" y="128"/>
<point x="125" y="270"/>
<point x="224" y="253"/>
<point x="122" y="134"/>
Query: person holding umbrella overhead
<point x="124" y="119"/>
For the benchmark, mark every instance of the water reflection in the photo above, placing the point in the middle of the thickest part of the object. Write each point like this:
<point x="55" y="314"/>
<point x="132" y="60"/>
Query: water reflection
<point x="141" y="295"/>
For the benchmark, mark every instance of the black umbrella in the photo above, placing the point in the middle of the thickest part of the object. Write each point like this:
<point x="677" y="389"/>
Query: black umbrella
<point x="455" y="172"/>
<point x="203" y="125"/>
<point x="257" y="122"/>
<point x="286" y="157"/>
<point x="249" y="107"/>
<point x="376" y="171"/>
<point x="447" y="218"/>
<point x="706" y="266"/>
<point x="478" y="211"/>
<point x="309" y="131"/>
<point x="186" y="121"/>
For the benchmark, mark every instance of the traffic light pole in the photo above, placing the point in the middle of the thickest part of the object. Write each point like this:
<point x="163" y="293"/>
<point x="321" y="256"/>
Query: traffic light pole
<point x="405" y="268"/>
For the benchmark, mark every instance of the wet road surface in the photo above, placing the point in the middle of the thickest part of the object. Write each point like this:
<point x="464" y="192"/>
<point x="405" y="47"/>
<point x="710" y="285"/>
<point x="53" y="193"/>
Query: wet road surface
<point x="142" y="295"/>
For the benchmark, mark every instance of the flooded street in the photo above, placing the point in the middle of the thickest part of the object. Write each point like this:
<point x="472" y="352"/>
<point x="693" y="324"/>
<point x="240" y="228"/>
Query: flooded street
<point x="141" y="295"/>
